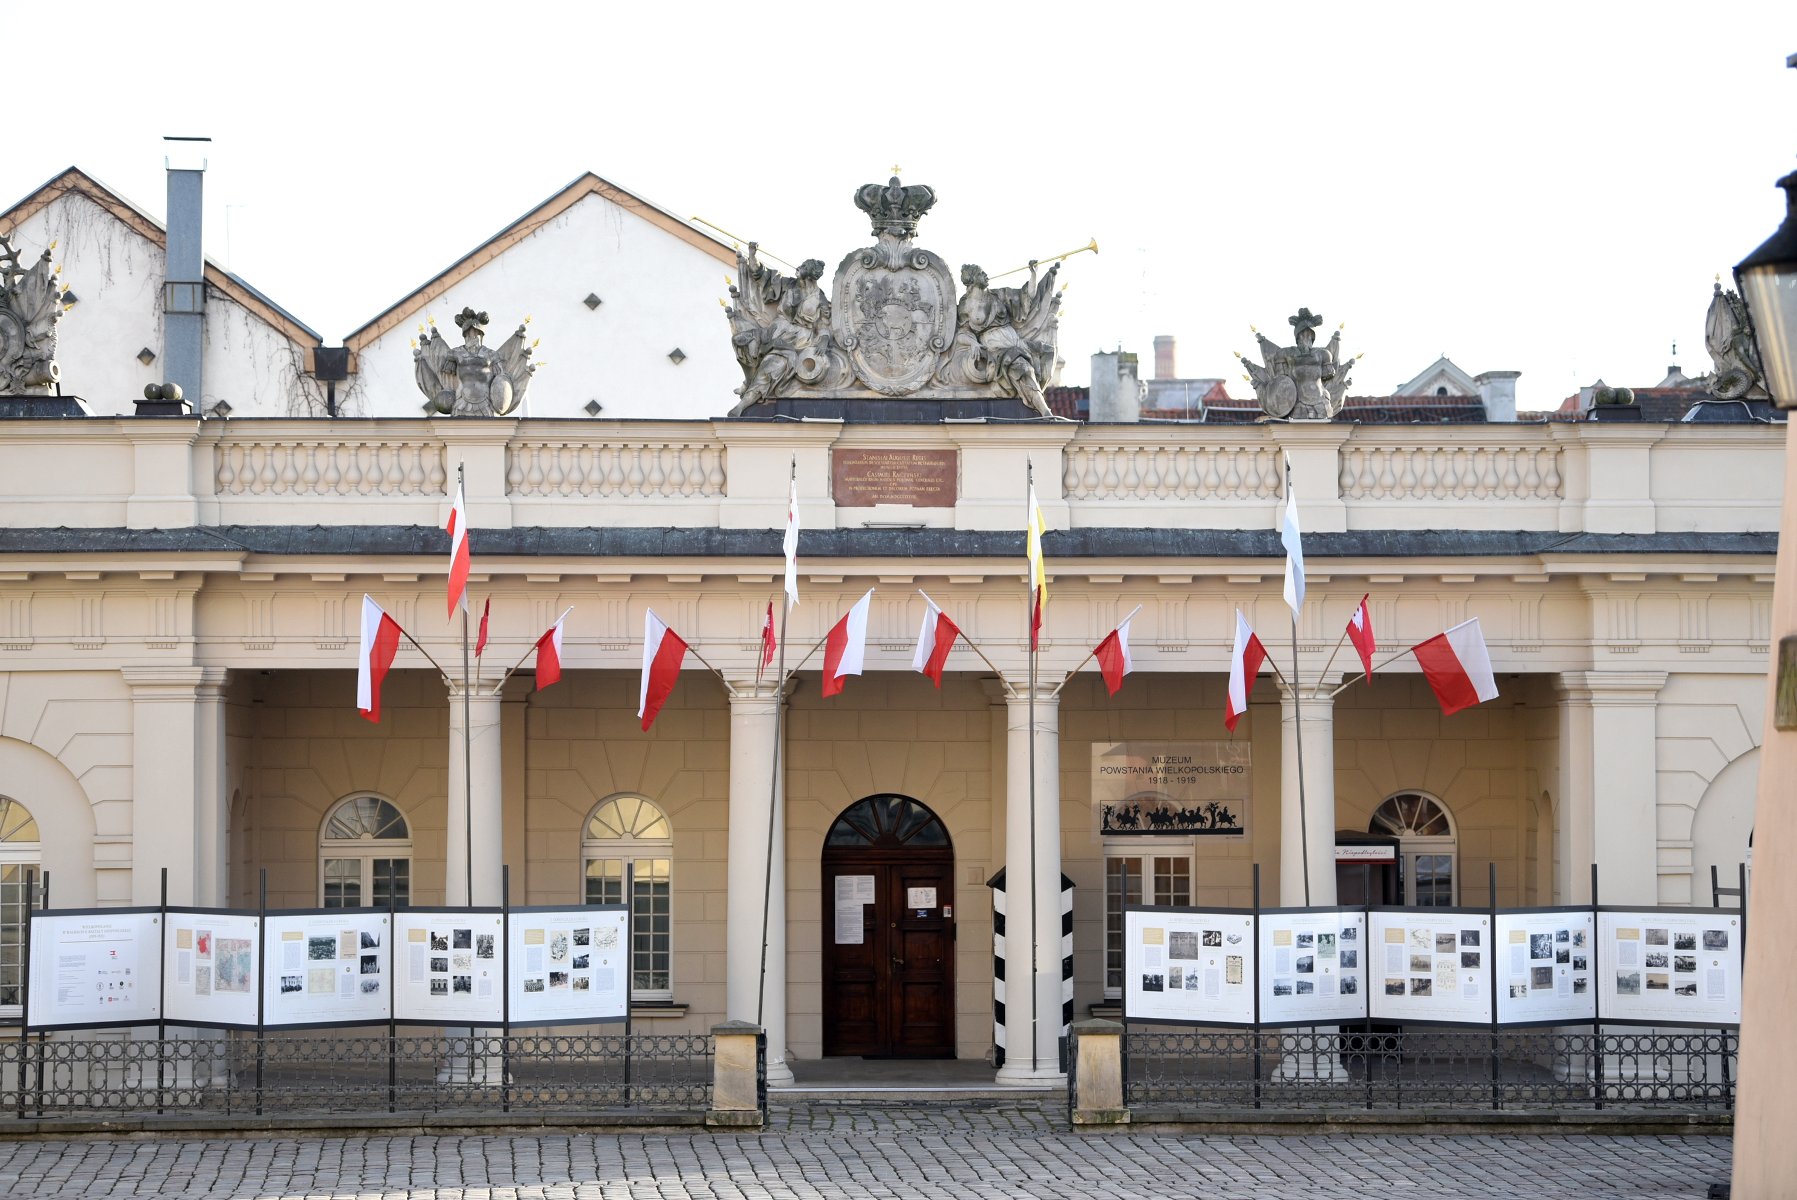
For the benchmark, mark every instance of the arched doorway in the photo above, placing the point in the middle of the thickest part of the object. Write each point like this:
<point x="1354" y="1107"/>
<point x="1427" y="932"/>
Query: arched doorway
<point x="889" y="932"/>
<point x="1428" y="849"/>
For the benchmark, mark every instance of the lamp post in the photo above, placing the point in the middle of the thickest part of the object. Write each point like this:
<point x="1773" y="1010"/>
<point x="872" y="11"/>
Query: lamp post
<point x="1766" y="1104"/>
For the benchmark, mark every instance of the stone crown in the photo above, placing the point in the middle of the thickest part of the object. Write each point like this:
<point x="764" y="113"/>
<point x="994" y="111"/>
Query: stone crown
<point x="895" y="207"/>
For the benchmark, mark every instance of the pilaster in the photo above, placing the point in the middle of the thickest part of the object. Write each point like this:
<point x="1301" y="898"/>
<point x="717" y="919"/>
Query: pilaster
<point x="179" y="810"/>
<point x="1608" y="790"/>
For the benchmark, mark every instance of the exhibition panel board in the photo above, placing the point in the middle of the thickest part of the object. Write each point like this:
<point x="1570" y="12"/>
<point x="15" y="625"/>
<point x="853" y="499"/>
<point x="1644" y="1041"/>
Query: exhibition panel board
<point x="449" y="966"/>
<point x="327" y="968"/>
<point x="1189" y="966"/>
<point x="1433" y="965"/>
<point x="1312" y="966"/>
<point x="94" y="967"/>
<point x="1669" y="966"/>
<point x="1545" y="961"/>
<point x="568" y="966"/>
<point x="211" y="959"/>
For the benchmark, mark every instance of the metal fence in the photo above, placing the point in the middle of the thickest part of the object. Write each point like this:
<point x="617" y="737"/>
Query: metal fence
<point x="1459" y="1069"/>
<point x="246" y="1074"/>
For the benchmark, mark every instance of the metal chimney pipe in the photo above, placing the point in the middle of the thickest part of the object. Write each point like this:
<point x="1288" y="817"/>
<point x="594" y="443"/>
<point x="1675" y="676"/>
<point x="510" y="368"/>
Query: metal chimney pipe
<point x="184" y="285"/>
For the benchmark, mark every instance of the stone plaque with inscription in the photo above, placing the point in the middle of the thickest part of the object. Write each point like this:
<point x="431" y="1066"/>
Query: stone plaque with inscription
<point x="919" y="478"/>
<point x="1180" y="789"/>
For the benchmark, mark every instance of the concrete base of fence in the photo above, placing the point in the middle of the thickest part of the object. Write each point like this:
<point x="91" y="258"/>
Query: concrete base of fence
<point x="736" y="1076"/>
<point x="339" y="1125"/>
<point x="1098" y="1074"/>
<point x="1309" y="1122"/>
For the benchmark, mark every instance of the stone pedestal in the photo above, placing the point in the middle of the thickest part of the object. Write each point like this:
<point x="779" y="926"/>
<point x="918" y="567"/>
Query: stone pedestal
<point x="1098" y="1055"/>
<point x="735" y="1094"/>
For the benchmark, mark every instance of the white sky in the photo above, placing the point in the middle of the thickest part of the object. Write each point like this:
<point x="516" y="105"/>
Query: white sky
<point x="1533" y="187"/>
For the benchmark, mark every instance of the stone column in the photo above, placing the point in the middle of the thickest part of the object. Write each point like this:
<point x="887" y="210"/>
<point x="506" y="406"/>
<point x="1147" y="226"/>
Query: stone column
<point x="482" y="831"/>
<point x="1309" y="826"/>
<point x="754" y="801"/>
<point x="1316" y="828"/>
<point x="179" y="807"/>
<point x="1033" y="988"/>
<point x="1607" y="787"/>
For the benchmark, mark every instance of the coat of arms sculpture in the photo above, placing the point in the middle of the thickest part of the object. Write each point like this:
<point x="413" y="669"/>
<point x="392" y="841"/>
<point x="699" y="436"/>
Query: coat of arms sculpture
<point x="31" y="302"/>
<point x="892" y="326"/>
<point x="1301" y="382"/>
<point x="473" y="379"/>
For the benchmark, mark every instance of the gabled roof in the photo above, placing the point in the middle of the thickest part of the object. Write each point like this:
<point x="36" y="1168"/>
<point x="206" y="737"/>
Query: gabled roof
<point x="75" y="180"/>
<point x="1440" y="373"/>
<point x="586" y="185"/>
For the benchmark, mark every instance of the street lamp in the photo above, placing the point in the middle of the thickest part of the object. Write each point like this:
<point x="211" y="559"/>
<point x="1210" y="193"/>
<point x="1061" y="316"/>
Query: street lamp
<point x="1767" y="281"/>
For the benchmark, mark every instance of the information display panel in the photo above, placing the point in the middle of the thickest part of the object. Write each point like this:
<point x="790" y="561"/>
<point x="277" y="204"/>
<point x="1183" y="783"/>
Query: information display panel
<point x="569" y="965"/>
<point x="448" y="967"/>
<point x="330" y="967"/>
<point x="1669" y="966"/>
<point x="211" y="961"/>
<point x="1312" y="966"/>
<point x="92" y="968"/>
<point x="1546" y="960"/>
<point x="1430" y="966"/>
<point x="1188" y="967"/>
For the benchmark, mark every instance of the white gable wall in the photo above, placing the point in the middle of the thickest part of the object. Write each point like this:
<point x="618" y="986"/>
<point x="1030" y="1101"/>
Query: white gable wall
<point x="116" y="274"/>
<point x="658" y="292"/>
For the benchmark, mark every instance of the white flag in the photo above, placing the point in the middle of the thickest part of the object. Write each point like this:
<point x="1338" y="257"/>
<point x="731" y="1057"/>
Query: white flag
<point x="1294" y="549"/>
<point x="791" y="544"/>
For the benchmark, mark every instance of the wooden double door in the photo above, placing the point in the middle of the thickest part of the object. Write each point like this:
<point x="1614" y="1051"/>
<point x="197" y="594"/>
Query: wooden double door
<point x="889" y="953"/>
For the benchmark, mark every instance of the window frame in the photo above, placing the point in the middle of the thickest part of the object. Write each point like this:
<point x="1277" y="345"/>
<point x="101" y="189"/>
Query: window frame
<point x="631" y="848"/>
<point x="365" y="851"/>
<point x="1413" y="845"/>
<point x="28" y="858"/>
<point x="1174" y="850"/>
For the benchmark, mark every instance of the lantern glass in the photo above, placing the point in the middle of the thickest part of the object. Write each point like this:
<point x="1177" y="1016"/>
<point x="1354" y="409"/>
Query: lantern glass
<point x="1770" y="290"/>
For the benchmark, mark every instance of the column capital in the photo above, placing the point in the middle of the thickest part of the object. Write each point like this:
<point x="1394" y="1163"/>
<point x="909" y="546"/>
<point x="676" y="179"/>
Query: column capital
<point x="1323" y="702"/>
<point x="1610" y="688"/>
<point x="481" y="687"/>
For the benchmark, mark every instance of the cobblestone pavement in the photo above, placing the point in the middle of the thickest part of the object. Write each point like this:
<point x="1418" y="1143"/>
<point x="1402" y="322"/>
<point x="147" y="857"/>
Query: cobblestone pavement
<point x="983" y="1149"/>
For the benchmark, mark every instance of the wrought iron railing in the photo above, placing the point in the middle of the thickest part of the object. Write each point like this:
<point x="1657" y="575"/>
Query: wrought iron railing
<point x="326" y="1074"/>
<point x="1460" y="1069"/>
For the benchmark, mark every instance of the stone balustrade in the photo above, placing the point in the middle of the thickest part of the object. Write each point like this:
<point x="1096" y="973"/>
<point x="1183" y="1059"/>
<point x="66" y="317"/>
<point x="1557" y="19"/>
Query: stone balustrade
<point x="1588" y="477"/>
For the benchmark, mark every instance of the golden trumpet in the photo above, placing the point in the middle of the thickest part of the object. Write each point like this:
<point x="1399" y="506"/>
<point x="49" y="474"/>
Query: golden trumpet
<point x="1091" y="245"/>
<point x="737" y="241"/>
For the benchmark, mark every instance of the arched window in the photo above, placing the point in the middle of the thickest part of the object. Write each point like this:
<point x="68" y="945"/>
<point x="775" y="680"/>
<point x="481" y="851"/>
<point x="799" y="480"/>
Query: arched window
<point x="365" y="855"/>
<point x="19" y="868"/>
<point x="1427" y="848"/>
<point x="631" y="831"/>
<point x="888" y="821"/>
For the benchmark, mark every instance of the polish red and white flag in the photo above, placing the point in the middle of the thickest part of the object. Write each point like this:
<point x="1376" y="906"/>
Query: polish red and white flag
<point x="1244" y="665"/>
<point x="846" y="646"/>
<point x="1360" y="632"/>
<point x="380" y="642"/>
<point x="458" y="551"/>
<point x="480" y="639"/>
<point x="1113" y="656"/>
<point x="767" y="642"/>
<point x="934" y="641"/>
<point x="549" y="653"/>
<point x="663" y="652"/>
<point x="1458" y="667"/>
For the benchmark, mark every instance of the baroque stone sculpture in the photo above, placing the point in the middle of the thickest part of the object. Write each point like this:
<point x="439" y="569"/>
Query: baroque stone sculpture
<point x="892" y="326"/>
<point x="1301" y="382"/>
<point x="473" y="379"/>
<point x="1738" y="374"/>
<point x="30" y="305"/>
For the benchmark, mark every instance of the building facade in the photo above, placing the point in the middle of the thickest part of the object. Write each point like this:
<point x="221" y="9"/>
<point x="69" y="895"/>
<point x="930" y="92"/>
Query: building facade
<point x="178" y="631"/>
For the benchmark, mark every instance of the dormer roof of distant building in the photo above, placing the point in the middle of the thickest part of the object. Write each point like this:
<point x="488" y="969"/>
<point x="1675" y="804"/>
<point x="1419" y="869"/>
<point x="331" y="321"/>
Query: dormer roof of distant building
<point x="586" y="185"/>
<point x="75" y="181"/>
<point x="1439" y="378"/>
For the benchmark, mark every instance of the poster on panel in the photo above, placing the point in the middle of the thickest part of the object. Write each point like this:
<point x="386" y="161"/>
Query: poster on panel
<point x="1545" y="964"/>
<point x="94" y="968"/>
<point x="211" y="962"/>
<point x="448" y="965"/>
<point x="1312" y="966"/>
<point x="1679" y="966"/>
<point x="569" y="965"/>
<point x="1189" y="967"/>
<point x="1430" y="966"/>
<point x="326" y="968"/>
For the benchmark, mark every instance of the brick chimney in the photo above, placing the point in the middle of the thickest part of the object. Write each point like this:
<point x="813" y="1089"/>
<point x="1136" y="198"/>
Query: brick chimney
<point x="1164" y="367"/>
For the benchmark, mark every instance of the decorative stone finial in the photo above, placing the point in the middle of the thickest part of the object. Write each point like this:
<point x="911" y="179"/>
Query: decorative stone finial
<point x="31" y="303"/>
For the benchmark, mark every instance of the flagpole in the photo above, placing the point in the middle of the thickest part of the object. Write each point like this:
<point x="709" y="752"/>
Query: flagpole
<point x="1357" y="678"/>
<point x="1035" y="892"/>
<point x="773" y="797"/>
<point x="971" y="645"/>
<point x="1298" y="736"/>
<point x="513" y="669"/>
<point x="427" y="654"/>
<point x="467" y="726"/>
<point x="1093" y="652"/>
<point x="1318" y="691"/>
